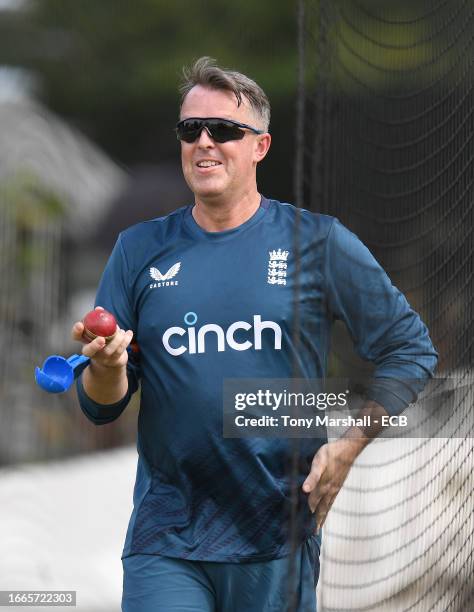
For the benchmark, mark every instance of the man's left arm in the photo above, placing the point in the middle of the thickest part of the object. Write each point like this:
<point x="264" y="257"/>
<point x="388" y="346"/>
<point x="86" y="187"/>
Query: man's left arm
<point x="386" y="331"/>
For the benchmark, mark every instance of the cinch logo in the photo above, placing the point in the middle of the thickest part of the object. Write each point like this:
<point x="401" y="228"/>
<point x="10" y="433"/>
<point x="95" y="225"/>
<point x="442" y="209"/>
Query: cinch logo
<point x="195" y="339"/>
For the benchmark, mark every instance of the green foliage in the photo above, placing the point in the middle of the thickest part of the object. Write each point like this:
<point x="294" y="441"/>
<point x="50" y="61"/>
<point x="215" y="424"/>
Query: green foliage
<point x="29" y="208"/>
<point x="28" y="203"/>
<point x="113" y="66"/>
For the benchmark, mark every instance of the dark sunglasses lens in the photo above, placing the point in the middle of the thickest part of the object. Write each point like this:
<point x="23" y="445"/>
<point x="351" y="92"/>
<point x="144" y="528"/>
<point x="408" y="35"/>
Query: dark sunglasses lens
<point x="223" y="132"/>
<point x="220" y="131"/>
<point x="188" y="130"/>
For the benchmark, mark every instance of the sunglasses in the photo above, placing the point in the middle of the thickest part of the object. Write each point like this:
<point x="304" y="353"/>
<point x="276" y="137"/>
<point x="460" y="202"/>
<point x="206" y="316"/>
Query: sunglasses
<point x="220" y="130"/>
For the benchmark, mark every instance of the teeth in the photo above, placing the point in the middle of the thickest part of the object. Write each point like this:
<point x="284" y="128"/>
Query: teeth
<point x="208" y="163"/>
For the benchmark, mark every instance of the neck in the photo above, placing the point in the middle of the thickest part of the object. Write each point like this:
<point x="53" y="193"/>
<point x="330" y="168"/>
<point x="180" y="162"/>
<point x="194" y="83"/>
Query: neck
<point x="220" y="216"/>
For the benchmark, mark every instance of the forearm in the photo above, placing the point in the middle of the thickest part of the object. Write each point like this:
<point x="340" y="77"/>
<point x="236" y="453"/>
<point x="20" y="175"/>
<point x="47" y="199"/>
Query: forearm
<point x="105" y="385"/>
<point x="359" y="436"/>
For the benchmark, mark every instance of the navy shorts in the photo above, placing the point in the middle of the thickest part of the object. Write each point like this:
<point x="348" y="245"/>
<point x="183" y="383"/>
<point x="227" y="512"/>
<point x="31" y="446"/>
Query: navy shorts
<point x="153" y="583"/>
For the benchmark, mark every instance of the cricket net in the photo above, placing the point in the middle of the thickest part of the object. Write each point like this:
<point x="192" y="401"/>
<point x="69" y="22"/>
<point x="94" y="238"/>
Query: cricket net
<point x="384" y="143"/>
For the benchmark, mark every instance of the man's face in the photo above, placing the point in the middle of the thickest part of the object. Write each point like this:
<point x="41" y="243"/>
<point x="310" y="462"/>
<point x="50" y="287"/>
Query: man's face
<point x="235" y="173"/>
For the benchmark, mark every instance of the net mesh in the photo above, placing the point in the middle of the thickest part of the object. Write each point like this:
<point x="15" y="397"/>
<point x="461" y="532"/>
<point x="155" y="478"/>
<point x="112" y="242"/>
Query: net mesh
<point x="385" y="144"/>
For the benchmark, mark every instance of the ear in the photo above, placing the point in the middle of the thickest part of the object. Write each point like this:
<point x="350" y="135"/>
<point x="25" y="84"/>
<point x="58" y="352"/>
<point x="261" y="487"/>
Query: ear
<point x="262" y="144"/>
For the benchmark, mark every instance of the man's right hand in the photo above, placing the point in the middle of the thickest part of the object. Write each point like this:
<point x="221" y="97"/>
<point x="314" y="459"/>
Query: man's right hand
<point x="111" y="355"/>
<point x="105" y="379"/>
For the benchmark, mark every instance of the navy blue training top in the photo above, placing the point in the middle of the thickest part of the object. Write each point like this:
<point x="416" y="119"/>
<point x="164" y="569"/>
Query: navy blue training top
<point x="206" y="306"/>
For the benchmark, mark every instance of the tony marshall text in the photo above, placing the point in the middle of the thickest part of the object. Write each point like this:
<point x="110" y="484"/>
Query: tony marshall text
<point x="318" y="421"/>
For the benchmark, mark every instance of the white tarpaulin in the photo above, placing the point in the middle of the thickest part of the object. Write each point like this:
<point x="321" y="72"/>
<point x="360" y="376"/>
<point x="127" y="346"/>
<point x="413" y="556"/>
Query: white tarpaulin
<point x="63" y="525"/>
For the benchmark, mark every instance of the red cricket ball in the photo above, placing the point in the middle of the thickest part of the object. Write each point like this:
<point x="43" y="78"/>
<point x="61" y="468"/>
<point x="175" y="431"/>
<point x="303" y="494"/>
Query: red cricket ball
<point x="99" y="323"/>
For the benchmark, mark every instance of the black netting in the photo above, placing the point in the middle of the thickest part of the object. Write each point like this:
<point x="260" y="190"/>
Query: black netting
<point x="385" y="144"/>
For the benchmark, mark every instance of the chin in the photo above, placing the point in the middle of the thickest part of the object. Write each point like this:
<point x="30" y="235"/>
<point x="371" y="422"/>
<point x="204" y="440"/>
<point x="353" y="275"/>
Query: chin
<point x="209" y="191"/>
<point x="209" y="195"/>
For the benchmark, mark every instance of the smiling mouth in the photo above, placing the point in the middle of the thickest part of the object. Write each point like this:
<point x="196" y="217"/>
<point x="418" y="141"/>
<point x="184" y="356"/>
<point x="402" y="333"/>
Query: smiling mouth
<point x="208" y="163"/>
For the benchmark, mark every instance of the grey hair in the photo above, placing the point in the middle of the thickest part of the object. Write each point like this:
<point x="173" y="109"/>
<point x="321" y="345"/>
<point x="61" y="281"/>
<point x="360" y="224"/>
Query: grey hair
<point x="205" y="72"/>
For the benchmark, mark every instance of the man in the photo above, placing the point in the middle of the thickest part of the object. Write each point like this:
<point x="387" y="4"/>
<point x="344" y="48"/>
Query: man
<point x="212" y="523"/>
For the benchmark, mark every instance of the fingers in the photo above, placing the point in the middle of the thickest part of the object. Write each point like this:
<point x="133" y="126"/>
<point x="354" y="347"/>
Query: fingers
<point x="329" y="469"/>
<point x="317" y="495"/>
<point x="317" y="468"/>
<point x="77" y="331"/>
<point x="312" y="479"/>
<point x="119" y="343"/>
<point x="314" y="486"/>
<point x="90" y="349"/>
<point x="322" y="510"/>
<point x="112" y="354"/>
<point x="125" y="343"/>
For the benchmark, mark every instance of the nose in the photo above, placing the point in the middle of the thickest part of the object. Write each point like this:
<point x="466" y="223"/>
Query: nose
<point x="205" y="139"/>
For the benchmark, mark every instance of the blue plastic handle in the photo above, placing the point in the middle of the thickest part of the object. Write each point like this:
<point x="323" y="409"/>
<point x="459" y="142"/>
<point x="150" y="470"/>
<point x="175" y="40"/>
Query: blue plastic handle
<point x="58" y="373"/>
